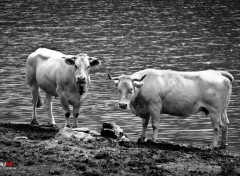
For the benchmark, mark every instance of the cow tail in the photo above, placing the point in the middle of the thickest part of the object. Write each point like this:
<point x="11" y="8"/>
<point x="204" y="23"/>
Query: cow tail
<point x="227" y="75"/>
<point x="39" y="100"/>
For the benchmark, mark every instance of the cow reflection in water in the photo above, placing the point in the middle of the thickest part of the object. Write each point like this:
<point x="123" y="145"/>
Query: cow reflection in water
<point x="57" y="74"/>
<point x="150" y="92"/>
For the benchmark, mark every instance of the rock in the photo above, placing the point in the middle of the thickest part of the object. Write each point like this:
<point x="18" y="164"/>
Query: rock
<point x="85" y="130"/>
<point x="105" y="132"/>
<point x="65" y="129"/>
<point x="108" y="125"/>
<point x="94" y="133"/>
<point x="76" y="134"/>
<point x="112" y="130"/>
<point x="21" y="137"/>
<point x="81" y="136"/>
<point x="125" y="139"/>
<point x="65" y="132"/>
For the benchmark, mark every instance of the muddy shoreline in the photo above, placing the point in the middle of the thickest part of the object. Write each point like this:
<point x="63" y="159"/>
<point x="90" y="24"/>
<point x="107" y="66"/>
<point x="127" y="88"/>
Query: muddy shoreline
<point x="42" y="150"/>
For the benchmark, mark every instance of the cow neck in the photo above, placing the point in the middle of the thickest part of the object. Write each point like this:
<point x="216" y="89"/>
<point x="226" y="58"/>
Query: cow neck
<point x="82" y="88"/>
<point x="135" y="97"/>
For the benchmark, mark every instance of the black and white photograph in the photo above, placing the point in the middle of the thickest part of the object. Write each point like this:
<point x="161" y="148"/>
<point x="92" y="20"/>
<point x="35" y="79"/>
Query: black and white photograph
<point x="119" y="87"/>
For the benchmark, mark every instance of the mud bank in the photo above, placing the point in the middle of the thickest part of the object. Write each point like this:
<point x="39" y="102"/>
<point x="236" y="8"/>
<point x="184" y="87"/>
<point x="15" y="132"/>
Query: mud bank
<point x="46" y="150"/>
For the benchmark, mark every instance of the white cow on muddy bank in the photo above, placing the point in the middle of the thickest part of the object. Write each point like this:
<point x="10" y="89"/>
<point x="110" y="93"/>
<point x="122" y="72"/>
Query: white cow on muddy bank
<point x="59" y="75"/>
<point x="151" y="92"/>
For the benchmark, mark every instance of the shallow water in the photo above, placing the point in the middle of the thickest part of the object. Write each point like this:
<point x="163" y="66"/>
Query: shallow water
<point x="126" y="37"/>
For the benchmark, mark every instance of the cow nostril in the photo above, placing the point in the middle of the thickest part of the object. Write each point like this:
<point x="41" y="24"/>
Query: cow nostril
<point x="123" y="105"/>
<point x="81" y="79"/>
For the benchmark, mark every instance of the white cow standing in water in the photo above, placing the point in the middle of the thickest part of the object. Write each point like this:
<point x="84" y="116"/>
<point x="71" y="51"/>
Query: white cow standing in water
<point x="151" y="92"/>
<point x="57" y="74"/>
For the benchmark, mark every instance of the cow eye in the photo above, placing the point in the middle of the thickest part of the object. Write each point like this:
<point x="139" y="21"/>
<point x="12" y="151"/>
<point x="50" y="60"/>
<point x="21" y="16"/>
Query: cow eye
<point x="75" y="67"/>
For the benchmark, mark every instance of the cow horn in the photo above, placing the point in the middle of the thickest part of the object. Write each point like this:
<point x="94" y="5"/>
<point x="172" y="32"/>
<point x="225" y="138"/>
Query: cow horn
<point x="112" y="78"/>
<point x="69" y="57"/>
<point x="139" y="79"/>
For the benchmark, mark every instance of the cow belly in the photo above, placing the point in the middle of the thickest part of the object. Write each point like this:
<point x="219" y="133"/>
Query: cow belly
<point x="46" y="78"/>
<point x="180" y="108"/>
<point x="181" y="100"/>
<point x="47" y="84"/>
<point x="48" y="87"/>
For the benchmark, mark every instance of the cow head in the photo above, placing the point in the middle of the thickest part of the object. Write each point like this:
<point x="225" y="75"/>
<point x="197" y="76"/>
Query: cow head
<point x="127" y="87"/>
<point x="82" y="64"/>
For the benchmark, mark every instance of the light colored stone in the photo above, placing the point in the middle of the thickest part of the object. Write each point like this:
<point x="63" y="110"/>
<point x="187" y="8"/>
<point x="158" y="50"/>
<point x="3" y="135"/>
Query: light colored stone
<point x="21" y="137"/>
<point x="125" y="139"/>
<point x="76" y="134"/>
<point x="83" y="129"/>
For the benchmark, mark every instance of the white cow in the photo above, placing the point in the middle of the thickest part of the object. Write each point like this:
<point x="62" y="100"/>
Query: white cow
<point x="57" y="74"/>
<point x="151" y="92"/>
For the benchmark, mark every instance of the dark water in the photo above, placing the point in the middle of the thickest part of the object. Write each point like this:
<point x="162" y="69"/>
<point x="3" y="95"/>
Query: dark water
<point x="127" y="37"/>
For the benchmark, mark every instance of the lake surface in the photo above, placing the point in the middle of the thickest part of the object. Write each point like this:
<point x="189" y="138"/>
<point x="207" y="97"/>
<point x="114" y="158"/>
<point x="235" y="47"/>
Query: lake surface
<point x="126" y="37"/>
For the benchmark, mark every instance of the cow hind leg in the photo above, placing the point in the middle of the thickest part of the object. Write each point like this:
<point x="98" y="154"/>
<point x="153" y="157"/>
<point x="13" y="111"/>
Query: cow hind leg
<point x="48" y="107"/>
<point x="215" y="119"/>
<point x="224" y="128"/>
<point x="35" y="99"/>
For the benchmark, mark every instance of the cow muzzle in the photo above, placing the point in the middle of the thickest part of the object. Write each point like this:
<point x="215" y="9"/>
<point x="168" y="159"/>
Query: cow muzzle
<point x="123" y="105"/>
<point x="81" y="80"/>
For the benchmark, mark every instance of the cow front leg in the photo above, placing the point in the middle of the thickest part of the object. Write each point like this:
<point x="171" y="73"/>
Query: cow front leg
<point x="145" y="121"/>
<point x="48" y="107"/>
<point x="215" y="118"/>
<point x="155" y="113"/>
<point x="75" y="116"/>
<point x="65" y="106"/>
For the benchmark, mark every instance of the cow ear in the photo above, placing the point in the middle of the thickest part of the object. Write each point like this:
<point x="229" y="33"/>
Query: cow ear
<point x="138" y="84"/>
<point x="116" y="82"/>
<point x="70" y="61"/>
<point x="94" y="62"/>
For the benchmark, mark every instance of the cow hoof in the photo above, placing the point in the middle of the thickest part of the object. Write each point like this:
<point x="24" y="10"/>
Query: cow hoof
<point x="150" y="141"/>
<point x="214" y="147"/>
<point x="68" y="126"/>
<point x="34" y="122"/>
<point x="141" y="140"/>
<point x="223" y="146"/>
<point x="51" y="125"/>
